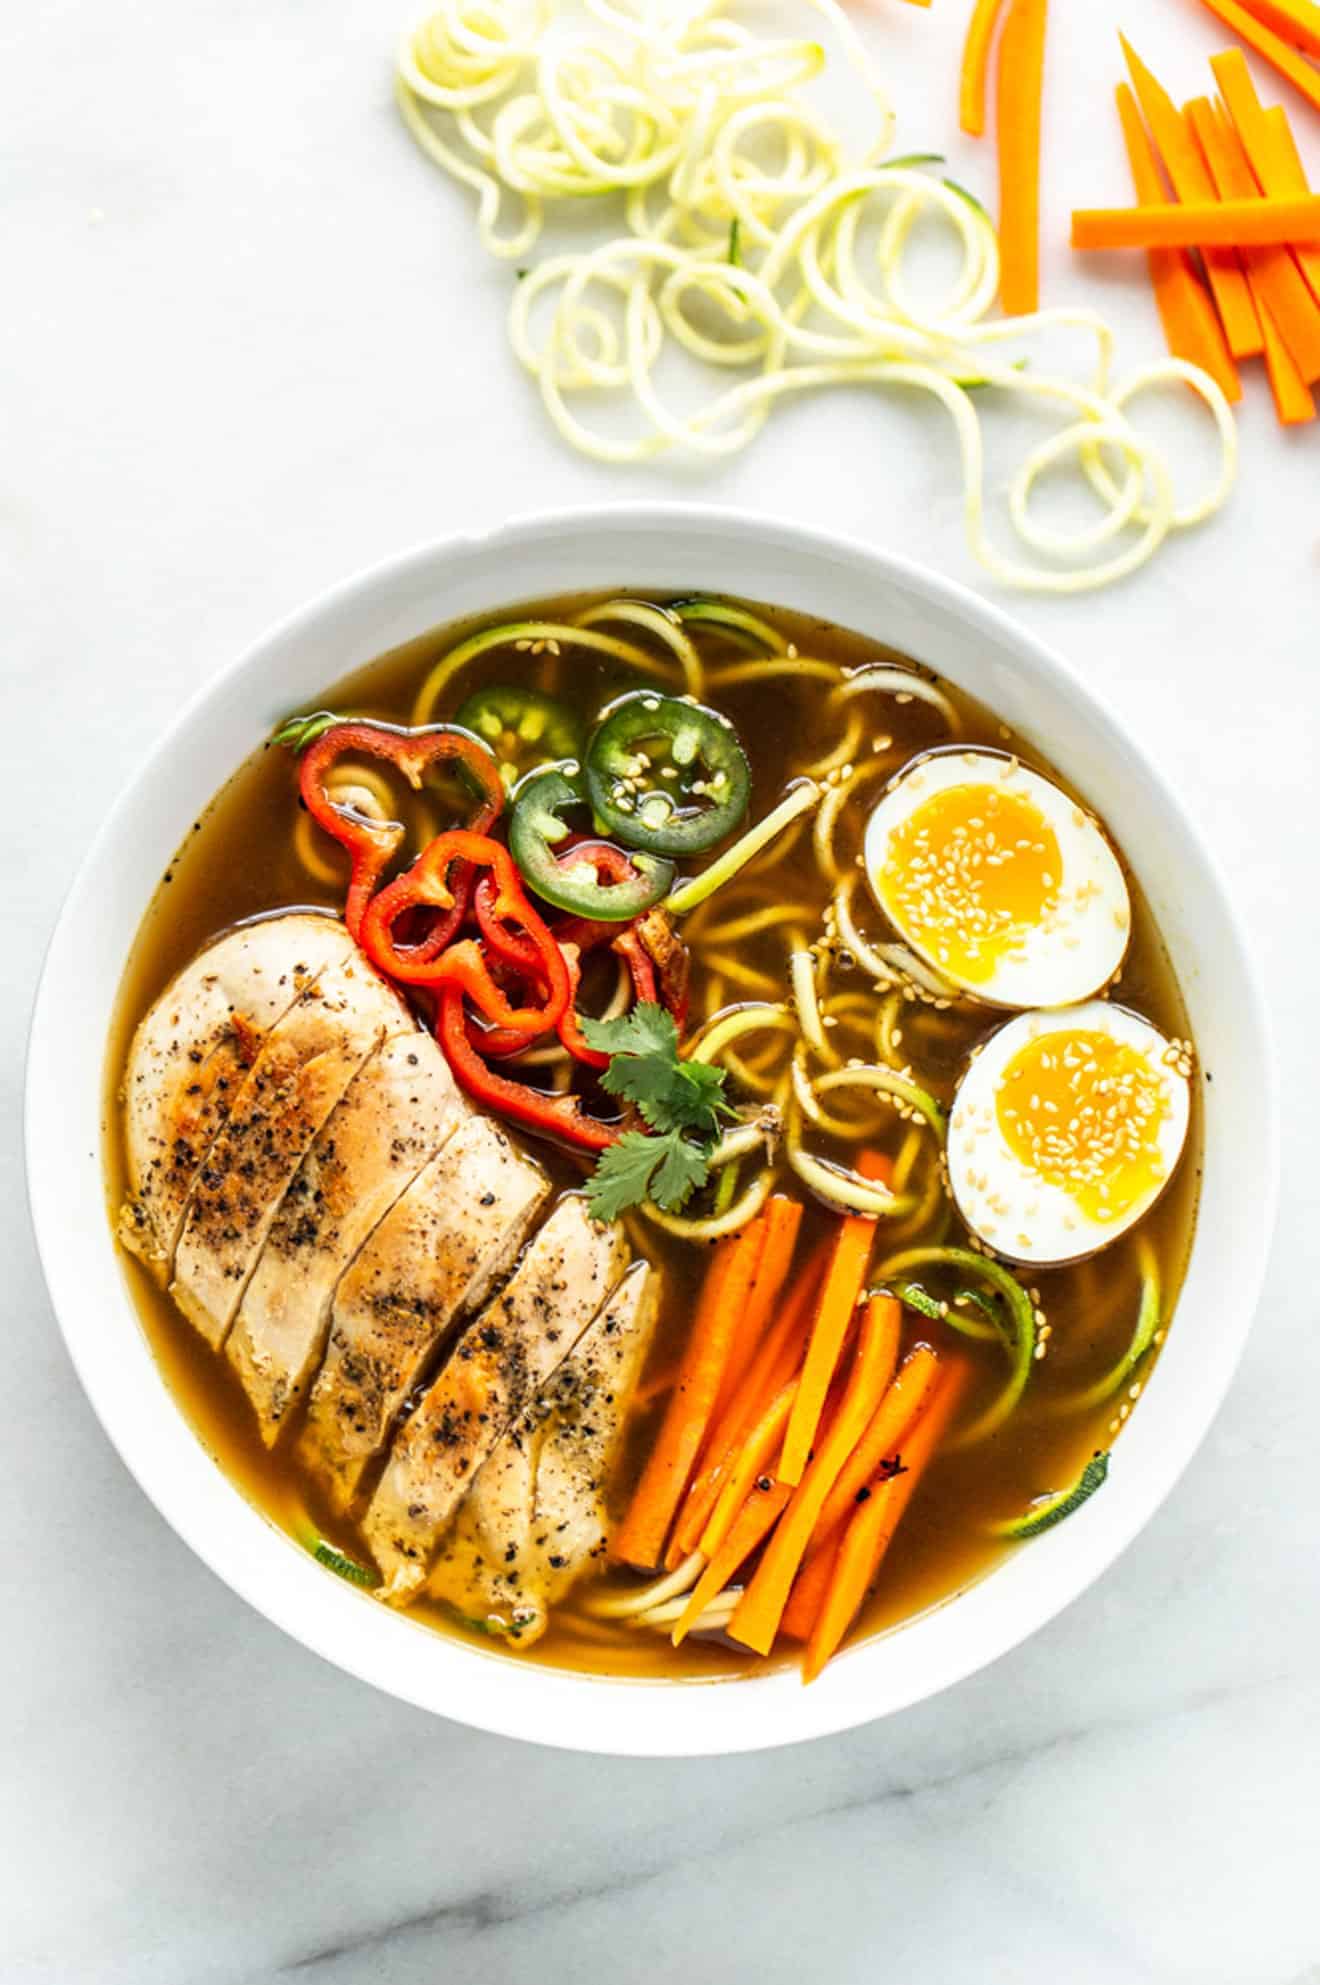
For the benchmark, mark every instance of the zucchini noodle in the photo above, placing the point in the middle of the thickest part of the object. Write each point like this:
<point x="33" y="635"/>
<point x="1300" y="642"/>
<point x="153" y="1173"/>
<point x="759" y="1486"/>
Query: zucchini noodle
<point x="1025" y="1318"/>
<point x="798" y="800"/>
<point x="664" y="624"/>
<point x="910" y="1097"/>
<point x="836" y="798"/>
<point x="716" y="1226"/>
<point x="891" y="964"/>
<point x="546" y="636"/>
<point x="905" y="685"/>
<point x="795" y="667"/>
<point x="844" y="752"/>
<point x="838" y="1185"/>
<point x="1150" y="1312"/>
<point x="359" y="789"/>
<point x="747" y="238"/>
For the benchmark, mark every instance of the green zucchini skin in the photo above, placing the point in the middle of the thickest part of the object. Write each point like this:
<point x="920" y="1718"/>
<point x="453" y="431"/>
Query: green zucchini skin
<point x="1045" y="1514"/>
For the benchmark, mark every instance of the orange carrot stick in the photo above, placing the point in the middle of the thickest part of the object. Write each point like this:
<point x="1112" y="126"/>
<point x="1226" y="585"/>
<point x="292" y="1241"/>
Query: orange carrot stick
<point x="839" y="1298"/>
<point x="758" y="1515"/>
<point x="1269" y="144"/>
<point x="752" y="1459"/>
<point x="881" y="1446"/>
<point x="809" y="1590"/>
<point x="640" y="1539"/>
<point x="782" y="1218"/>
<point x="1294" y="401"/>
<point x="756" y="1620"/>
<point x="1276" y="281"/>
<point x="1295" y="21"/>
<point x="1290" y="161"/>
<point x="775" y="1363"/>
<point x="1192" y="182"/>
<point x="1020" y="82"/>
<point x="975" y="77"/>
<point x="868" y="1535"/>
<point x="1230" y="224"/>
<point x="1289" y="62"/>
<point x="903" y="1404"/>
<point x="1191" y="328"/>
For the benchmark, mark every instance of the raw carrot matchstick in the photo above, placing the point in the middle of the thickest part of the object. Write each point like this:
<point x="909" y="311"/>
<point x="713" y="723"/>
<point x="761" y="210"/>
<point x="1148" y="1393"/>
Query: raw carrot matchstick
<point x="1294" y="21"/>
<point x="1289" y="61"/>
<point x="1276" y="282"/>
<point x="1191" y="180"/>
<point x="1229" y="224"/>
<point x="974" y="79"/>
<point x="1191" y="328"/>
<point x="1269" y="145"/>
<point x="1021" y="75"/>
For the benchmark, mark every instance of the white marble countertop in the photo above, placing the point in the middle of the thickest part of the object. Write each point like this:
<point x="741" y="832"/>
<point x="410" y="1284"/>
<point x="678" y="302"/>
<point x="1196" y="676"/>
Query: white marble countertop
<point x="249" y="345"/>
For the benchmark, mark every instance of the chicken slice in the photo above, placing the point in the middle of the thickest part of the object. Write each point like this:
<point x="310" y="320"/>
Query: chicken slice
<point x="305" y="1065"/>
<point x="496" y="1370"/>
<point x="433" y="1258"/>
<point x="538" y="1513"/>
<point x="396" y="1114"/>
<point x="191" y="1054"/>
<point x="479" y="1569"/>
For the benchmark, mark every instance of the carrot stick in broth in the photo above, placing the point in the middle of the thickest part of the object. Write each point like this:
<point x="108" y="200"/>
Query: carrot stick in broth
<point x="757" y="1516"/>
<point x="640" y="1539"/>
<point x="756" y="1621"/>
<point x="783" y="1218"/>
<point x="844" y="1282"/>
<point x="775" y="1362"/>
<point x="869" y="1534"/>
<point x="880" y="1445"/>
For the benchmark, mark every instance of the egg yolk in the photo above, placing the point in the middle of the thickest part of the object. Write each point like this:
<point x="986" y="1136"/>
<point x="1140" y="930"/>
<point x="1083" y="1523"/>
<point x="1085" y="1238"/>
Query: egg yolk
<point x="968" y="874"/>
<point x="1084" y="1112"/>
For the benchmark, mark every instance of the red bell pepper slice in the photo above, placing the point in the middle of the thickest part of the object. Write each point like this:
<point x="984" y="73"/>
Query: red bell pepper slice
<point x="372" y="844"/>
<point x="554" y="1115"/>
<point x="427" y="885"/>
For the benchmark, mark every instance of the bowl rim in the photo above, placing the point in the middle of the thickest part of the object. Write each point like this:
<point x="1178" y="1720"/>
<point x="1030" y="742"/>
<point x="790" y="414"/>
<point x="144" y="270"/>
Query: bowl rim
<point x="539" y="1704"/>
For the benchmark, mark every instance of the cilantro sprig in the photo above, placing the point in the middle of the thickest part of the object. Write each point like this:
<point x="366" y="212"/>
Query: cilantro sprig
<point x="682" y="1102"/>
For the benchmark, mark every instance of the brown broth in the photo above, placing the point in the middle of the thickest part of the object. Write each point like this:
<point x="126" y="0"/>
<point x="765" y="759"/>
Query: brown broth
<point x="240" y="861"/>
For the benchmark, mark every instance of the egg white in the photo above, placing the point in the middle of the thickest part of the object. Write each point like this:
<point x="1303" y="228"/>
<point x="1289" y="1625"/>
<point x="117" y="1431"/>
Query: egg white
<point x="1085" y="940"/>
<point x="1009" y="1205"/>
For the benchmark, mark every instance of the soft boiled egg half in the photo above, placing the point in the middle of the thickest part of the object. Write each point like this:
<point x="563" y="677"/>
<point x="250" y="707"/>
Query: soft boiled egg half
<point x="999" y="880"/>
<point x="1065" y="1130"/>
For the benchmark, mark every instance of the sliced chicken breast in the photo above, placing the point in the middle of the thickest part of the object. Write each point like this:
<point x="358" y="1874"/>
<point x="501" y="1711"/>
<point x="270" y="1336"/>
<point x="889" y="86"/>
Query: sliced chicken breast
<point x="481" y="1569"/>
<point x="396" y="1113"/>
<point x="434" y="1258"/>
<point x="191" y="1054"/>
<point x="502" y="1361"/>
<point x="306" y="1063"/>
<point x="537" y="1515"/>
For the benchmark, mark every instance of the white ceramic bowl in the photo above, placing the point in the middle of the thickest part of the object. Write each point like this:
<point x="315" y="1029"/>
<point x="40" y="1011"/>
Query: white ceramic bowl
<point x="662" y="548"/>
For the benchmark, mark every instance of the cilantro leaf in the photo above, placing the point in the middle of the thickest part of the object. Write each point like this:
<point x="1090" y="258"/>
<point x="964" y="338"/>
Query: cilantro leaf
<point x="647" y="1030"/>
<point x="682" y="1169"/>
<point x="697" y="1099"/>
<point x="645" y="1080"/>
<point x="682" y="1103"/>
<point x="622" y="1177"/>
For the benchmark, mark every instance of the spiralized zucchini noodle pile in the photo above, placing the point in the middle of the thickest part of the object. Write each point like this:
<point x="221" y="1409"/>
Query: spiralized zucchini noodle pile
<point x="747" y="239"/>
